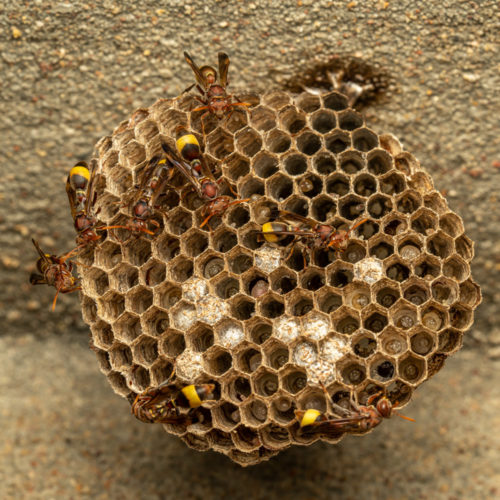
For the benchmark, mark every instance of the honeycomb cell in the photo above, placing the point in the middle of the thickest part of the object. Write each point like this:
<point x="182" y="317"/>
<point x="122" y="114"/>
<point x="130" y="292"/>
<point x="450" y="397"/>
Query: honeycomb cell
<point x="236" y="166"/>
<point x="217" y="360"/>
<point x="338" y="184"/>
<point x="464" y="247"/>
<point x="220" y="143"/>
<point x="226" y="416"/>
<point x="276" y="354"/>
<point x="236" y="387"/>
<point x="427" y="267"/>
<point x="277" y="100"/>
<point x="111" y="306"/>
<point x="406" y="163"/>
<point x="364" y="140"/>
<point x="386" y="293"/>
<point x="278" y="141"/>
<point x="404" y="315"/>
<point x="155" y="321"/>
<point x="108" y="255"/>
<point x="422" y="343"/>
<point x="249" y="359"/>
<point x="123" y="277"/>
<point x="351" y="371"/>
<point x="272" y="306"/>
<point x="416" y="291"/>
<point x="323" y="208"/>
<point x="357" y="295"/>
<point x="173" y="343"/>
<point x="450" y="340"/>
<point x="323" y="121"/>
<point x="308" y="142"/>
<point x="341" y="274"/>
<point x="139" y="300"/>
<point x="251" y="188"/>
<point x="102" y="335"/>
<point x="470" y="293"/>
<point x="409" y="202"/>
<point x="153" y="273"/>
<point x="265" y="382"/>
<point x="396" y="270"/>
<point x="355" y="252"/>
<point x="260" y="331"/>
<point x="145" y="351"/>
<point x="292" y="120"/>
<point x="351" y="207"/>
<point x="424" y="221"/>
<point x="283" y="409"/>
<point x="381" y="247"/>
<point x="393" y="342"/>
<point x="246" y="439"/>
<point x="194" y="243"/>
<point x="201" y="338"/>
<point x="382" y="369"/>
<point x="324" y="163"/>
<point x="280" y="187"/>
<point x="240" y="260"/>
<point x="337" y="141"/>
<point x="451" y="224"/>
<point x="97" y="282"/>
<point x="181" y="269"/>
<point x="392" y="184"/>
<point x="395" y="225"/>
<point x="295" y="164"/>
<point x="120" y="357"/>
<point x="265" y="164"/>
<point x="254" y="412"/>
<point x="436" y="202"/>
<point x="350" y="120"/>
<point x="379" y="162"/>
<point x="365" y="185"/>
<point x="410" y="248"/>
<point x="379" y="206"/>
<point x="440" y="245"/>
<point x="293" y="379"/>
<point x="312" y="278"/>
<point x="263" y="118"/>
<point x="346" y="320"/>
<point x="455" y="268"/>
<point x="434" y="317"/>
<point x="297" y="205"/>
<point x="364" y="345"/>
<point x="460" y="317"/>
<point x="411" y="368"/>
<point x="375" y="320"/>
<point x="242" y="307"/>
<point x="444" y="291"/>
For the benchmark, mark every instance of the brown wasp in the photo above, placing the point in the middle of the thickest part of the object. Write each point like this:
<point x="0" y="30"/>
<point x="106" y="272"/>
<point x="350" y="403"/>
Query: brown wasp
<point x="80" y="187"/>
<point x="55" y="271"/>
<point x="314" y="234"/>
<point x="152" y="185"/>
<point x="359" y="418"/>
<point x="214" y="98"/>
<point x="161" y="404"/>
<point x="205" y="186"/>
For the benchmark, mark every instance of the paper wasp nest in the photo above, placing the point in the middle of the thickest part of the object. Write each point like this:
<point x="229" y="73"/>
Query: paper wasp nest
<point x="383" y="316"/>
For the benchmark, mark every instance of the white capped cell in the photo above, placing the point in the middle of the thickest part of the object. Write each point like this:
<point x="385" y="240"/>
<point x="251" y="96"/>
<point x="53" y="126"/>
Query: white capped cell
<point x="315" y="325"/>
<point x="369" y="270"/>
<point x="286" y="329"/>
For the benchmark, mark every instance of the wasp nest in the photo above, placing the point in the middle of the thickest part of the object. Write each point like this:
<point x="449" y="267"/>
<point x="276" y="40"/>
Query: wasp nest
<point x="223" y="306"/>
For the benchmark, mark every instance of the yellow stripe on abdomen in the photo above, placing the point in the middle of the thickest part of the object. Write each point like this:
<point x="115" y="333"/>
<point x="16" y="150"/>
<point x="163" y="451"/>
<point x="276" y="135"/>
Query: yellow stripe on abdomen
<point x="191" y="395"/>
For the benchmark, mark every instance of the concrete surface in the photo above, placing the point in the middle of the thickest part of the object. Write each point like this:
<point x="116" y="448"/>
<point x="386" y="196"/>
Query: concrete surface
<point x="70" y="72"/>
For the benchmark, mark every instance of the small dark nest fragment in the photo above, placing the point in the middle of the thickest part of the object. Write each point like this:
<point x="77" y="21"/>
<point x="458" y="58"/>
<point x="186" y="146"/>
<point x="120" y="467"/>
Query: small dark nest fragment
<point x="364" y="83"/>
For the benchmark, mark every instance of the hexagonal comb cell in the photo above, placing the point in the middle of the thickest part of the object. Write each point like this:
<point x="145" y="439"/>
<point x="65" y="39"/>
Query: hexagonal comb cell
<point x="268" y="321"/>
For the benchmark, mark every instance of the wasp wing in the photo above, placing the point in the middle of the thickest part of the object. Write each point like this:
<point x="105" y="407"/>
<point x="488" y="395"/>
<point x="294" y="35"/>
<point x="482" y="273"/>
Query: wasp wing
<point x="223" y="68"/>
<point x="199" y="76"/>
<point x="291" y="216"/>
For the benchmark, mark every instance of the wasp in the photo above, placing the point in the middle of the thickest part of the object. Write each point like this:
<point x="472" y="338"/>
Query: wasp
<point x="314" y="234"/>
<point x="154" y="180"/>
<point x="214" y="98"/>
<point x="204" y="184"/>
<point x="80" y="187"/>
<point x="55" y="271"/>
<point x="161" y="404"/>
<point x="358" y="418"/>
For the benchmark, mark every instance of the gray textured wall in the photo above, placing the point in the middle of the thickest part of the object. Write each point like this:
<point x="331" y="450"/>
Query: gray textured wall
<point x="71" y="71"/>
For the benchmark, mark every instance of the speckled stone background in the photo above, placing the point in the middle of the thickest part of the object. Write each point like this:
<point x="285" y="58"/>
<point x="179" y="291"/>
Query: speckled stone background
<point x="70" y="72"/>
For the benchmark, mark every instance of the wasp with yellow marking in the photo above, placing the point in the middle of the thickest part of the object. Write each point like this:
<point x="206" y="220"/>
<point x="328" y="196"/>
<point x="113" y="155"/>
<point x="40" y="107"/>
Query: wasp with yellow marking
<point x="358" y="418"/>
<point x="204" y="184"/>
<point x="80" y="187"/>
<point x="313" y="234"/>
<point x="161" y="404"/>
<point x="214" y="98"/>
<point x="55" y="271"/>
